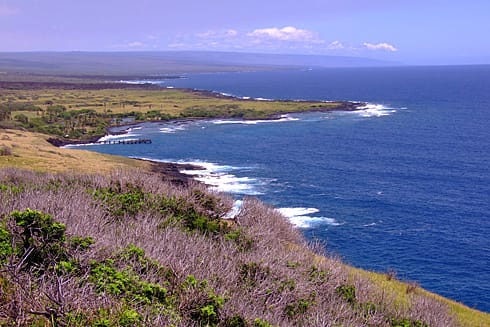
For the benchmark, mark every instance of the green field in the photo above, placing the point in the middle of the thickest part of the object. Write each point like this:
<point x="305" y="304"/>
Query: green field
<point x="77" y="114"/>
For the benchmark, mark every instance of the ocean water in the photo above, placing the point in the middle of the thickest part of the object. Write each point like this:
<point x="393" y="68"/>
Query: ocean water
<point x="402" y="185"/>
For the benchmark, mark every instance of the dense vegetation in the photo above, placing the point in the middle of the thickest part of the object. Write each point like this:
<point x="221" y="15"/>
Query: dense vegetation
<point x="130" y="250"/>
<point x="86" y="112"/>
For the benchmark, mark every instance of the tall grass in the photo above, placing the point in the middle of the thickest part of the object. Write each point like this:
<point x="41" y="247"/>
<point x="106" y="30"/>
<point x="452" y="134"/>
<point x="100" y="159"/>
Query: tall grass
<point x="162" y="255"/>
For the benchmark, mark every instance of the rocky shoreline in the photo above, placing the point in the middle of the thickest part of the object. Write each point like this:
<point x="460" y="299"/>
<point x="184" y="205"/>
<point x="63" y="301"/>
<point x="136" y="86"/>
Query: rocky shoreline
<point x="169" y="171"/>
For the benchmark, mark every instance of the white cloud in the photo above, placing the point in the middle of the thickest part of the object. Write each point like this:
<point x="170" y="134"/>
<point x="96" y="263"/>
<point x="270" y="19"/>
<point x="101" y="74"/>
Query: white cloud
<point x="288" y="33"/>
<point x="380" y="46"/>
<point x="135" y="44"/>
<point x="218" y="34"/>
<point x="335" y="45"/>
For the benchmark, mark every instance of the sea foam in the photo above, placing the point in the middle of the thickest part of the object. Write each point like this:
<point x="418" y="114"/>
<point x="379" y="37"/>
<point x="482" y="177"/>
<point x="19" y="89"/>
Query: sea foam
<point x="126" y="136"/>
<point x="300" y="217"/>
<point x="219" y="178"/>
<point x="281" y="119"/>
<point x="172" y="129"/>
<point x="374" y="110"/>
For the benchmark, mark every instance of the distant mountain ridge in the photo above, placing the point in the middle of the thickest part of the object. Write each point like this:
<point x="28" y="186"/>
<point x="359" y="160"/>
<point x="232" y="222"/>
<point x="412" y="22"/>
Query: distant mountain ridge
<point x="169" y="62"/>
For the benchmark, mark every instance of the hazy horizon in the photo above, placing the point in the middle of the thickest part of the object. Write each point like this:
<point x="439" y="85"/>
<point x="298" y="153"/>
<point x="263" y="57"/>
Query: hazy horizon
<point x="415" y="32"/>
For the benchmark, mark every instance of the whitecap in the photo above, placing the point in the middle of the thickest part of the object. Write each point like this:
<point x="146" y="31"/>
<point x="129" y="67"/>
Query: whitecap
<point x="219" y="178"/>
<point x="136" y="82"/>
<point x="133" y="128"/>
<point x="292" y="212"/>
<point x="227" y="183"/>
<point x="172" y="129"/>
<point x="226" y="94"/>
<point x="126" y="136"/>
<point x="300" y="217"/>
<point x="281" y="119"/>
<point x="374" y="110"/>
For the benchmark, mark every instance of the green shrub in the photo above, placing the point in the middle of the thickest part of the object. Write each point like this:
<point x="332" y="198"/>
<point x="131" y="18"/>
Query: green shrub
<point x="208" y="313"/>
<point x="316" y="275"/>
<point x="129" y="317"/>
<point x="347" y="292"/>
<point x="299" y="307"/>
<point x="235" y="321"/>
<point x="405" y="322"/>
<point x="125" y="284"/>
<point x="251" y="273"/>
<point x="122" y="202"/>
<point x="66" y="267"/>
<point x="21" y="118"/>
<point x="80" y="243"/>
<point x="242" y="242"/>
<point x="182" y="211"/>
<point x="41" y="239"/>
<point x="13" y="189"/>
<point x="5" y="244"/>
<point x="261" y="323"/>
<point x="102" y="322"/>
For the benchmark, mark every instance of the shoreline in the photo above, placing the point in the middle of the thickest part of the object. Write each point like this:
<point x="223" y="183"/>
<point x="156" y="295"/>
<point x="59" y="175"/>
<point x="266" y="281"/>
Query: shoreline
<point x="170" y="171"/>
<point x="347" y="106"/>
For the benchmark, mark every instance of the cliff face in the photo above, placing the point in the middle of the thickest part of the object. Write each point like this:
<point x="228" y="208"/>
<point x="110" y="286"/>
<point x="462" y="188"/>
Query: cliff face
<point x="129" y="249"/>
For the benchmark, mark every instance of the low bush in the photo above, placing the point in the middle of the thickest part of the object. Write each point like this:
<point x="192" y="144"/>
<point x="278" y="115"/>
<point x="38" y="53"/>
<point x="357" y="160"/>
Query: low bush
<point x="5" y="151"/>
<point x="130" y="250"/>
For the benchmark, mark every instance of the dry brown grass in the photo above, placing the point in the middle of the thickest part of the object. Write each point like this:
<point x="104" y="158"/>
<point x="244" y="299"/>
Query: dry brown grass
<point x="277" y="277"/>
<point x="32" y="151"/>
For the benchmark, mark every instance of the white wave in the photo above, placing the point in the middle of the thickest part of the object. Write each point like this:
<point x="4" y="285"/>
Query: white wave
<point x="292" y="212"/>
<point x="140" y="82"/>
<point x="374" y="110"/>
<point x="133" y="129"/>
<point x="283" y="118"/>
<point x="229" y="183"/>
<point x="300" y="217"/>
<point x="208" y="166"/>
<point x="172" y="129"/>
<point x="126" y="136"/>
<point x="218" y="178"/>
<point x="68" y="146"/>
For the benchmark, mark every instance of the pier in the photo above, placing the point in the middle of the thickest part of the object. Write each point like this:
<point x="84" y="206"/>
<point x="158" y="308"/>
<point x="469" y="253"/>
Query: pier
<point x="135" y="141"/>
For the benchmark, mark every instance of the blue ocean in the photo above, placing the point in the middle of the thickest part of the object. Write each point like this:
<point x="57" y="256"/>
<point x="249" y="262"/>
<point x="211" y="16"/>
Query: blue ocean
<point x="402" y="185"/>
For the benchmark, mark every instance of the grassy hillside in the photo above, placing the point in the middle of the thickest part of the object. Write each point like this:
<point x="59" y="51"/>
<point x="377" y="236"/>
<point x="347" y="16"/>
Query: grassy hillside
<point x="126" y="249"/>
<point x="26" y="150"/>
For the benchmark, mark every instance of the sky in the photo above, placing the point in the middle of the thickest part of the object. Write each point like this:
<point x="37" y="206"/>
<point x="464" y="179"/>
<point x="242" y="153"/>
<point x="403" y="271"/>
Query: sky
<point x="407" y="31"/>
